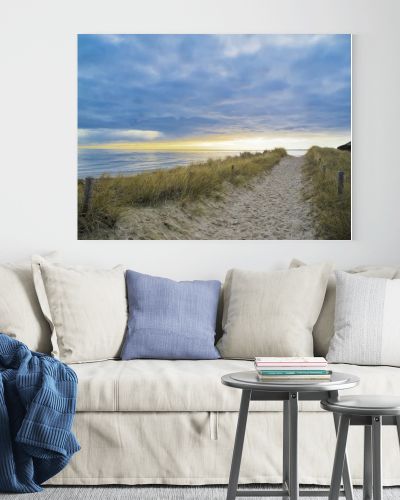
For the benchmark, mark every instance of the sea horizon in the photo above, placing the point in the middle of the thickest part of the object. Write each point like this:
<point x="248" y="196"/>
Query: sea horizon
<point x="112" y="162"/>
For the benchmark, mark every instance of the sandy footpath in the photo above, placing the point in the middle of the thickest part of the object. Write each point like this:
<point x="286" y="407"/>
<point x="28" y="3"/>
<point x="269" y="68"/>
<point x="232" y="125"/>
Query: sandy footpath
<point x="270" y="207"/>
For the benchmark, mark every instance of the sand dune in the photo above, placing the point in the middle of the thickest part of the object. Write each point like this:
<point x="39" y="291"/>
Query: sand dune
<point x="269" y="207"/>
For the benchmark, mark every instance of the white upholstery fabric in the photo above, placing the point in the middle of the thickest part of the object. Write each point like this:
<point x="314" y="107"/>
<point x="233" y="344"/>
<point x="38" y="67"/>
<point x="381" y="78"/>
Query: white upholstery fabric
<point x="272" y="313"/>
<point x="324" y="327"/>
<point x="173" y="386"/>
<point x="367" y="321"/>
<point x="173" y="422"/>
<point x="186" y="449"/>
<point x="86" y="308"/>
<point x="20" y="314"/>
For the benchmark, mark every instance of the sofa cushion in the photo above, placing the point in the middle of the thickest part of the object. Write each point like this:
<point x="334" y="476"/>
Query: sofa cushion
<point x="161" y="385"/>
<point x="170" y="319"/>
<point x="272" y="313"/>
<point x="324" y="327"/>
<point x="20" y="315"/>
<point x="86" y="309"/>
<point x="367" y="321"/>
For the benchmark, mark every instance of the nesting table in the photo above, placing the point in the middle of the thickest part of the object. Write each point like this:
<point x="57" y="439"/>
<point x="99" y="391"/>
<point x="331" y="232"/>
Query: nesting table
<point x="290" y="392"/>
<point x="371" y="412"/>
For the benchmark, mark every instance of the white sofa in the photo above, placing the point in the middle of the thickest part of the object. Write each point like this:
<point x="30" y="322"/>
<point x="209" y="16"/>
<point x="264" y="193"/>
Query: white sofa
<point x="173" y="422"/>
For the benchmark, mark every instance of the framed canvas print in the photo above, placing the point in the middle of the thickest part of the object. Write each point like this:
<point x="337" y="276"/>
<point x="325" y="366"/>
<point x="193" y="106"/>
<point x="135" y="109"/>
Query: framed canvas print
<point x="214" y="137"/>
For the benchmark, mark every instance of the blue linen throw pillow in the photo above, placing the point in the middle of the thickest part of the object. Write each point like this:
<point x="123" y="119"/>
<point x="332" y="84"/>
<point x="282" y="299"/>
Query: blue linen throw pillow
<point x="170" y="319"/>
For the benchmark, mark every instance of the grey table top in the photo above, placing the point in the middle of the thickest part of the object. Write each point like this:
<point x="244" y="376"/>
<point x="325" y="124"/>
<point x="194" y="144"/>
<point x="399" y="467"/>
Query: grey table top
<point x="364" y="405"/>
<point x="249" y="380"/>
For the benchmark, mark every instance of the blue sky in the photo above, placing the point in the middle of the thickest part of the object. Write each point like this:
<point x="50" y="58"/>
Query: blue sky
<point x="150" y="88"/>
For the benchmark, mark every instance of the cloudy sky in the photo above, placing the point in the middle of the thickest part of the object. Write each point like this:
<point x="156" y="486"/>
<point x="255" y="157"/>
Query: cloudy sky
<point x="228" y="92"/>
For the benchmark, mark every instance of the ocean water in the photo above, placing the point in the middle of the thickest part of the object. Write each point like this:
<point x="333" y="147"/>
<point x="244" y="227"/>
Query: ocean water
<point x="96" y="162"/>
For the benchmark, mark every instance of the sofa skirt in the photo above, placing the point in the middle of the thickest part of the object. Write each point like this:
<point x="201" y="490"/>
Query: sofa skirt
<point x="195" y="448"/>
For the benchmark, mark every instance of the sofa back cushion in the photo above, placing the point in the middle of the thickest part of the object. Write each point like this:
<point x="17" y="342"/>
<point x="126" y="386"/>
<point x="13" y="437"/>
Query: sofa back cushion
<point x="324" y="327"/>
<point x="367" y="321"/>
<point x="20" y="315"/>
<point x="86" y="310"/>
<point x="170" y="319"/>
<point x="272" y="313"/>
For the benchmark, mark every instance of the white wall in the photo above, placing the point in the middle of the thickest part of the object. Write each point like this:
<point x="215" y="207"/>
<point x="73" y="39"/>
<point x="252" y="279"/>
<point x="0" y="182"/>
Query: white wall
<point x="38" y="117"/>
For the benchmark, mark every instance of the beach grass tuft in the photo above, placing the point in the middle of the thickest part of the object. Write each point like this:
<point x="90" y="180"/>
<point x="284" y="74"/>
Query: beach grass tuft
<point x="112" y="195"/>
<point x="331" y="211"/>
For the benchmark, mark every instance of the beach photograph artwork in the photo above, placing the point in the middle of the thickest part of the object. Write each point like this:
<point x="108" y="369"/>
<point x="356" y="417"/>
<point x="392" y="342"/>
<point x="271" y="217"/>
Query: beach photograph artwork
<point x="208" y="137"/>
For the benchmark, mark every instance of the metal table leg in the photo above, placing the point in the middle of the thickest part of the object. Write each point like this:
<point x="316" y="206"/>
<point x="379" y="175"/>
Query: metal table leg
<point x="293" y="447"/>
<point x="377" y="457"/>
<point x="398" y="427"/>
<point x="347" y="481"/>
<point x="238" y="447"/>
<point x="286" y="449"/>
<point x="340" y="454"/>
<point x="290" y="478"/>
<point x="367" y="480"/>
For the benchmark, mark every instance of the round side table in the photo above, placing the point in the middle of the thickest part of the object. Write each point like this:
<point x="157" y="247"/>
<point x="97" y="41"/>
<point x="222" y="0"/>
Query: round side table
<point x="290" y="392"/>
<point x="371" y="412"/>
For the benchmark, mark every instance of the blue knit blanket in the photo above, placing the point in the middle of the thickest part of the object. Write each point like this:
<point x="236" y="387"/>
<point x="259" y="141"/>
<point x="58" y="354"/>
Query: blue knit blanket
<point x="37" y="407"/>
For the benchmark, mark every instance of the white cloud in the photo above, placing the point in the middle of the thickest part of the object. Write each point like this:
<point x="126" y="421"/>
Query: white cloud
<point x="83" y="133"/>
<point x="236" y="45"/>
<point x="146" y="135"/>
<point x="103" y="135"/>
<point x="114" y="39"/>
<point x="297" y="41"/>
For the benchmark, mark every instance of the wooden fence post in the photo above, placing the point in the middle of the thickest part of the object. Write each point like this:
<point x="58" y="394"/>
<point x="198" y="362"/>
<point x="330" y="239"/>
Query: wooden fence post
<point x="340" y="182"/>
<point x="87" y="195"/>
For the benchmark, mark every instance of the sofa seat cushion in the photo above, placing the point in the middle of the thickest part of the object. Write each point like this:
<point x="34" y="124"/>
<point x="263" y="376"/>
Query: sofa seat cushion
<point x="175" y="386"/>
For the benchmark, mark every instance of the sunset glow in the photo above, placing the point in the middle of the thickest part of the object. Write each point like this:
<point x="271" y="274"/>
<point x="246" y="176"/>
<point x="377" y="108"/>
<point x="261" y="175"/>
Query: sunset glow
<point x="231" y="142"/>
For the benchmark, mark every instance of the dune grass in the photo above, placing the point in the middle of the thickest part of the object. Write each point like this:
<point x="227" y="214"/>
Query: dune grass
<point x="332" y="212"/>
<point x="111" y="195"/>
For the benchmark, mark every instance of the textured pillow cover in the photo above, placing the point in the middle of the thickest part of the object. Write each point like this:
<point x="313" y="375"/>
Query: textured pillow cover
<point x="272" y="313"/>
<point x="86" y="310"/>
<point x="367" y="321"/>
<point x="170" y="319"/>
<point x="21" y="317"/>
<point x="324" y="327"/>
<point x="20" y="314"/>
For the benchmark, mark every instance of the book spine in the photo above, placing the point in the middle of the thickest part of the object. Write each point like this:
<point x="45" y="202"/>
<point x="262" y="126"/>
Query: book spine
<point x="294" y="372"/>
<point x="292" y="368"/>
<point x="311" y="365"/>
<point x="290" y="360"/>
<point x="293" y="377"/>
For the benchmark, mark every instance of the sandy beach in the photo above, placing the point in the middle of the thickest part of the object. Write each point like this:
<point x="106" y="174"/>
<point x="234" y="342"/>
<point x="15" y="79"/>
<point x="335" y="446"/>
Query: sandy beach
<point x="270" y="206"/>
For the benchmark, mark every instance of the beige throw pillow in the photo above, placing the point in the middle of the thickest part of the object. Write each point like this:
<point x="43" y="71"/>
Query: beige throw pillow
<point x="325" y="328"/>
<point x="272" y="313"/>
<point x="20" y="315"/>
<point x="86" y="309"/>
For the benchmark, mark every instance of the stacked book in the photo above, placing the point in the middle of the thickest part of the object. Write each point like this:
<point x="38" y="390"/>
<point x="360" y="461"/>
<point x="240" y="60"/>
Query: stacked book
<point x="269" y="369"/>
